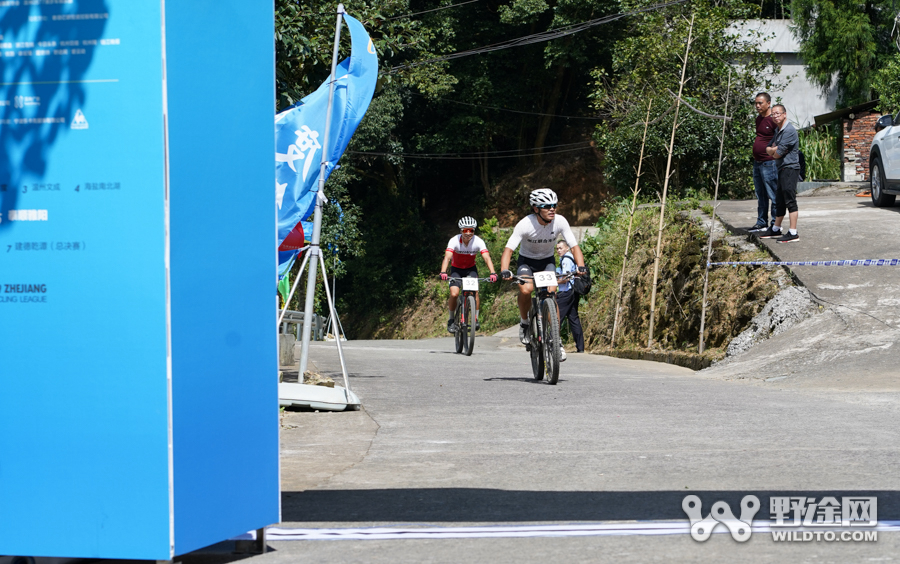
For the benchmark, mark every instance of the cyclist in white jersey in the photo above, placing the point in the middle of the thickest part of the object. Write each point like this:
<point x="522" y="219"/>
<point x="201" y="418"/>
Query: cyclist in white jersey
<point x="537" y="234"/>
<point x="460" y="254"/>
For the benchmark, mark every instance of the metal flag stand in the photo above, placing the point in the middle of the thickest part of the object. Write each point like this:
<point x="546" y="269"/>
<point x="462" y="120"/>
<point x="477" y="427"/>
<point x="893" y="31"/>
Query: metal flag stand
<point x="307" y="317"/>
<point x="333" y="323"/>
<point x="314" y="250"/>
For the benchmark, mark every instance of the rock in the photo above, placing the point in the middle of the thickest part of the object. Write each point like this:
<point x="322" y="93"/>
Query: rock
<point x="316" y="379"/>
<point x="741" y="243"/>
<point x="786" y="309"/>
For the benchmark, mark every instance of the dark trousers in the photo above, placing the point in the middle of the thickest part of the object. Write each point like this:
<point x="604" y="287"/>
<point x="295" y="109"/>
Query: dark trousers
<point x="786" y="197"/>
<point x="568" y="308"/>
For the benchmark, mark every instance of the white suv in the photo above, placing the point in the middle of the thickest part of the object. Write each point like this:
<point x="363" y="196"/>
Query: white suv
<point x="884" y="161"/>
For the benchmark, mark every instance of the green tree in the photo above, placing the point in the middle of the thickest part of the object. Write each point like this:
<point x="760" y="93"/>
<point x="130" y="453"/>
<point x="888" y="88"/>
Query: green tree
<point x="886" y="84"/>
<point x="846" y="39"/>
<point x="647" y="65"/>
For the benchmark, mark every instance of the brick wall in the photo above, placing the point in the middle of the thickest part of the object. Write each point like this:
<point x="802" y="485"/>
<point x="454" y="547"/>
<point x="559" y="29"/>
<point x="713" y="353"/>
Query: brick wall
<point x="855" y="142"/>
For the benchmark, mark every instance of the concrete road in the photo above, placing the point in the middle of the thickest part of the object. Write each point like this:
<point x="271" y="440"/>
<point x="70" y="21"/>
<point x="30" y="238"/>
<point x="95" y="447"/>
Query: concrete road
<point x="851" y="346"/>
<point x="446" y="440"/>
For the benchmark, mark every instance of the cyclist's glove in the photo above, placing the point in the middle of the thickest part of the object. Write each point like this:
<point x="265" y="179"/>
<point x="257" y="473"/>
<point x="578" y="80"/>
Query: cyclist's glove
<point x="443" y="276"/>
<point x="582" y="269"/>
<point x="505" y="274"/>
<point x="493" y="277"/>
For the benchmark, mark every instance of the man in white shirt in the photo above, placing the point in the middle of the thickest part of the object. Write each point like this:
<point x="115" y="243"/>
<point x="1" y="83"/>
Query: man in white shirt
<point x="537" y="233"/>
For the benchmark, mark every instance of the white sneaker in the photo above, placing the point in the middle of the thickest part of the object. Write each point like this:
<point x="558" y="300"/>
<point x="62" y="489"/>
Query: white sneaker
<point x="523" y="333"/>
<point x="562" y="354"/>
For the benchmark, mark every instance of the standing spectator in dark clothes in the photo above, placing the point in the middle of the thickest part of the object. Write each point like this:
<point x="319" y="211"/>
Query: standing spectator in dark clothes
<point x="785" y="149"/>
<point x="765" y="173"/>
<point x="566" y="297"/>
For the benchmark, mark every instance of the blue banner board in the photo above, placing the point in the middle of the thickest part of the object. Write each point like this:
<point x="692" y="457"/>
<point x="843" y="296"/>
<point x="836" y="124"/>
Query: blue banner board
<point x="137" y="234"/>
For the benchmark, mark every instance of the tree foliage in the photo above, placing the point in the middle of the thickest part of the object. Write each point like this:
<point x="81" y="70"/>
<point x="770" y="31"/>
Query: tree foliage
<point x="844" y="38"/>
<point x="886" y="84"/>
<point x="647" y="66"/>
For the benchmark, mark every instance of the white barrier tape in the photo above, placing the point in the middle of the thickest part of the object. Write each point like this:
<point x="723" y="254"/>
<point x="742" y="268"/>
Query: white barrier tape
<point x="502" y="531"/>
<point x="852" y="262"/>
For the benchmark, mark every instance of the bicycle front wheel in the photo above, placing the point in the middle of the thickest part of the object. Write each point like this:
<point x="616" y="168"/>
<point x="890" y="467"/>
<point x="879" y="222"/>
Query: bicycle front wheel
<point x="551" y="342"/>
<point x="537" y="351"/>
<point x="459" y="326"/>
<point x="470" y="325"/>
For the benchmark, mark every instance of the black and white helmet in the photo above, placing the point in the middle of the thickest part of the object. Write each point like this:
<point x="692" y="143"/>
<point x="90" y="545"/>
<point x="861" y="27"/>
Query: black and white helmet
<point x="468" y="223"/>
<point x="543" y="196"/>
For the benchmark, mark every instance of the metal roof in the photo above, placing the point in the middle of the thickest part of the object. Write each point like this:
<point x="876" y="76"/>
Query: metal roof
<point x="844" y="112"/>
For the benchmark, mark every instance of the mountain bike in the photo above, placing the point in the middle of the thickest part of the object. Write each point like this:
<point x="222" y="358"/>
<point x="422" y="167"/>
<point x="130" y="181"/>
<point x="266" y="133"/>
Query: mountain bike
<point x="465" y="315"/>
<point x="543" y="325"/>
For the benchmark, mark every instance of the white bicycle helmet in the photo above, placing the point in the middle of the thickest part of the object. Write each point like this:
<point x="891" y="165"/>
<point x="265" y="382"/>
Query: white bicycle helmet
<point x="468" y="223"/>
<point x="543" y="196"/>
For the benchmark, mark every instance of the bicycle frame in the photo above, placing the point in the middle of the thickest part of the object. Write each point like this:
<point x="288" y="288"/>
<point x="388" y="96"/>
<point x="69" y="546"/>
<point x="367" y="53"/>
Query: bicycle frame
<point x="543" y="347"/>
<point x="539" y="295"/>
<point x="465" y="319"/>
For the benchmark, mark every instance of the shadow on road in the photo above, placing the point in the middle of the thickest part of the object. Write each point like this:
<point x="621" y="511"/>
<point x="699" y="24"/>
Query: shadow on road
<point x="517" y="379"/>
<point x="867" y="203"/>
<point x="490" y="505"/>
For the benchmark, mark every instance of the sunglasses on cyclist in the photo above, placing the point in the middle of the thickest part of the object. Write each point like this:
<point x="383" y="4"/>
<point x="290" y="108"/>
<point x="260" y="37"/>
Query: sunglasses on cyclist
<point x="467" y="231"/>
<point x="547" y="206"/>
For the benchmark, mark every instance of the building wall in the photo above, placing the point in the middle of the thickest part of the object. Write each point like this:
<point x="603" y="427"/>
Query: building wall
<point x="802" y="99"/>
<point x="855" y="142"/>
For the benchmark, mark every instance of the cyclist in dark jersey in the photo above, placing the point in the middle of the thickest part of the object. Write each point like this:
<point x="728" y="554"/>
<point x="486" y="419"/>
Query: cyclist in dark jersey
<point x="460" y="254"/>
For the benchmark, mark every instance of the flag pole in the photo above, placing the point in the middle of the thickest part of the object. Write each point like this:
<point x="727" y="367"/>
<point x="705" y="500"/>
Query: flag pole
<point x="320" y="198"/>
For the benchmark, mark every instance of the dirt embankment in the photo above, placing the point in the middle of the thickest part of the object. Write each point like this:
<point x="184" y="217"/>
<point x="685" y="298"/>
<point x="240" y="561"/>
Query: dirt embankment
<point x="735" y="295"/>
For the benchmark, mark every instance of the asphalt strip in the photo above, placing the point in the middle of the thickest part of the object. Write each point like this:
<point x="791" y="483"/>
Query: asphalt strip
<point x="501" y="531"/>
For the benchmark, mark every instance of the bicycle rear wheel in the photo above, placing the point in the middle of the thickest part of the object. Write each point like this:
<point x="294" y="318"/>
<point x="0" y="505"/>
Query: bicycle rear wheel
<point x="459" y="330"/>
<point x="537" y="351"/>
<point x="470" y="325"/>
<point x="551" y="341"/>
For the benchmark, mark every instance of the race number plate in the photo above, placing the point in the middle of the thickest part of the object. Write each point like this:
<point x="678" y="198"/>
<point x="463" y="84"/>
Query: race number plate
<point x="470" y="284"/>
<point x="544" y="279"/>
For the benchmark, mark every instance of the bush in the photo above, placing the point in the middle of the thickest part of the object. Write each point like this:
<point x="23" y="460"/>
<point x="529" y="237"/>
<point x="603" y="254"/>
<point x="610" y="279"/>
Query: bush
<point x="820" y="147"/>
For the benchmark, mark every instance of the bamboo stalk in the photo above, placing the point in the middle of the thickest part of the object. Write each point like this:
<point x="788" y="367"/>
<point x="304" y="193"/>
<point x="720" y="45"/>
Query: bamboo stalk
<point x="662" y="211"/>
<point x="712" y="224"/>
<point x="635" y="192"/>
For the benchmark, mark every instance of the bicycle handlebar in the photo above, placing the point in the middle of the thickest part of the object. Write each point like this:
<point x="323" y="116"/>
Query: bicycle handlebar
<point x="479" y="279"/>
<point x="525" y="278"/>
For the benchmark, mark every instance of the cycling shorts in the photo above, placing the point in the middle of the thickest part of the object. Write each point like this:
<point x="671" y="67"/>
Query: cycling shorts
<point x="528" y="266"/>
<point x="462" y="273"/>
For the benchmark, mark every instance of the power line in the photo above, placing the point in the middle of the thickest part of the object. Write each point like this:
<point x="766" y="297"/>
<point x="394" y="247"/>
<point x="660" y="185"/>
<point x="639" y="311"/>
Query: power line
<point x="508" y="110"/>
<point x="432" y="10"/>
<point x="334" y="13"/>
<point x="474" y="156"/>
<point x="538" y="37"/>
<point x="479" y="153"/>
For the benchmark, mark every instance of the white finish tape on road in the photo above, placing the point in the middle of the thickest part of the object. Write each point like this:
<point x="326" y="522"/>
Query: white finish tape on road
<point x="505" y="531"/>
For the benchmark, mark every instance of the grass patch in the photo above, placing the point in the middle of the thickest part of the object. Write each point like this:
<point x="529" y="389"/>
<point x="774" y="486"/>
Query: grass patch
<point x="735" y="294"/>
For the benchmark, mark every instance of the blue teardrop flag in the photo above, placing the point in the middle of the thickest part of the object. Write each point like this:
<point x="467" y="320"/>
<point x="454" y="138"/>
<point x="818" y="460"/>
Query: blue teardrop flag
<point x="300" y="130"/>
